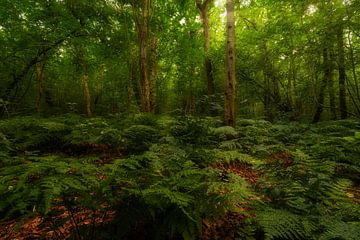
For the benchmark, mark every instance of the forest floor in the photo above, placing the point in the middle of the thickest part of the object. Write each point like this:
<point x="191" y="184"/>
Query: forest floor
<point x="154" y="177"/>
<point x="48" y="227"/>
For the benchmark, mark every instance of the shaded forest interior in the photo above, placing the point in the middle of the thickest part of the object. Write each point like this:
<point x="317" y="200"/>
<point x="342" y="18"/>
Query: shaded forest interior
<point x="179" y="119"/>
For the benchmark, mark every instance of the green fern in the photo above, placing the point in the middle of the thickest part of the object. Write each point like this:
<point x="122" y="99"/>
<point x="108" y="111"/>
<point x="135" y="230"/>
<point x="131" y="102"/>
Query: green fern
<point x="337" y="229"/>
<point x="224" y="133"/>
<point x="281" y="224"/>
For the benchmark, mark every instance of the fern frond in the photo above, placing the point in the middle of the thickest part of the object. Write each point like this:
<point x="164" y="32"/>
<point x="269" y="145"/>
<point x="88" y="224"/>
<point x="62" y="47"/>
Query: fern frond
<point x="337" y="229"/>
<point x="282" y="224"/>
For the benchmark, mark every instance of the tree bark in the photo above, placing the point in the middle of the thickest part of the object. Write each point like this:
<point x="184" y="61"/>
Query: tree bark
<point x="325" y="80"/>
<point x="342" y="73"/>
<point x="230" y="91"/>
<point x="40" y="67"/>
<point x="153" y="72"/>
<point x="99" y="83"/>
<point x="204" y="9"/>
<point x="142" y="25"/>
<point x="85" y="83"/>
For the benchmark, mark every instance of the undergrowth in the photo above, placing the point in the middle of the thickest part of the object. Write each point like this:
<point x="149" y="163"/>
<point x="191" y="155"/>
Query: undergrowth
<point x="183" y="178"/>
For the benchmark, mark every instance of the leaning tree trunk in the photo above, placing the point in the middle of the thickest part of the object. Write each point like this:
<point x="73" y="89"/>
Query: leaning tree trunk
<point x="230" y="92"/>
<point x="342" y="73"/>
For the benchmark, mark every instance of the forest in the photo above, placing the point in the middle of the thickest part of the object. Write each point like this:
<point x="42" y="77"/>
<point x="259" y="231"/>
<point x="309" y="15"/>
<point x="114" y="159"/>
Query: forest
<point x="180" y="119"/>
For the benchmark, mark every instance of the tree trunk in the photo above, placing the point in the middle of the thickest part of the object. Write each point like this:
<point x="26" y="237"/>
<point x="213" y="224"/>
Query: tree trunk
<point x="342" y="74"/>
<point x="353" y="67"/>
<point x="204" y="9"/>
<point x="230" y="92"/>
<point x="99" y="84"/>
<point x="85" y="82"/>
<point x="272" y="97"/>
<point x="291" y="83"/>
<point x="144" y="76"/>
<point x="321" y="96"/>
<point x="40" y="67"/>
<point x="332" y="96"/>
<point x="153" y="72"/>
<point x="267" y="99"/>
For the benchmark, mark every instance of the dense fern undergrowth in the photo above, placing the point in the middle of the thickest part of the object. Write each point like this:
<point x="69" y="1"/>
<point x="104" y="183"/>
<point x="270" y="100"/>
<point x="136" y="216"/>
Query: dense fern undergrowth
<point x="183" y="178"/>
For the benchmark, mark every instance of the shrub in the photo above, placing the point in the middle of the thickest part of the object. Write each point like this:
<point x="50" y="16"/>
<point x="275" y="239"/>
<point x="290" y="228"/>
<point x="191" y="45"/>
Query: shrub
<point x="140" y="137"/>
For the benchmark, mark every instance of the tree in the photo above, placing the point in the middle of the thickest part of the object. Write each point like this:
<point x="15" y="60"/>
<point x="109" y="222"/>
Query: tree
<point x="230" y="93"/>
<point x="342" y="72"/>
<point x="141" y="13"/>
<point x="203" y="7"/>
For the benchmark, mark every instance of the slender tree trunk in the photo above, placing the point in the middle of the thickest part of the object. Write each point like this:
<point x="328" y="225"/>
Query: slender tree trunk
<point x="352" y="59"/>
<point x="291" y="83"/>
<point x="355" y="99"/>
<point x="99" y="84"/>
<point x="267" y="98"/>
<point x="230" y="92"/>
<point x="321" y="96"/>
<point x="85" y="83"/>
<point x="332" y="96"/>
<point x="331" y="86"/>
<point x="204" y="9"/>
<point x="153" y="72"/>
<point x="272" y="97"/>
<point x="40" y="67"/>
<point x="135" y="84"/>
<point x="144" y="58"/>
<point x="355" y="103"/>
<point x="342" y="73"/>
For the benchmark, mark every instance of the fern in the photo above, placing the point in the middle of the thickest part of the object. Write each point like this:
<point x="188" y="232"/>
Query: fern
<point x="230" y="156"/>
<point x="140" y="137"/>
<point x="281" y="224"/>
<point x="337" y="229"/>
<point x="190" y="131"/>
<point x="35" y="183"/>
<point x="224" y="133"/>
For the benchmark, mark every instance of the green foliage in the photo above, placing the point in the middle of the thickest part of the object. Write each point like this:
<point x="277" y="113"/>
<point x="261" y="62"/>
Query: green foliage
<point x="190" y="131"/>
<point x="31" y="185"/>
<point x="307" y="187"/>
<point x="337" y="229"/>
<point x="140" y="137"/>
<point x="224" y="133"/>
<point x="31" y="133"/>
<point x="166" y="193"/>
<point x="179" y="172"/>
<point x="280" y="224"/>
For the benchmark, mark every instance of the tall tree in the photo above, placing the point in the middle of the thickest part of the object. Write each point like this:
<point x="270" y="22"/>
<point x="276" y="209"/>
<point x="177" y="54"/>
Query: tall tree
<point x="342" y="72"/>
<point x="326" y="79"/>
<point x="230" y="92"/>
<point x="203" y="7"/>
<point x="141" y="13"/>
<point x="39" y="69"/>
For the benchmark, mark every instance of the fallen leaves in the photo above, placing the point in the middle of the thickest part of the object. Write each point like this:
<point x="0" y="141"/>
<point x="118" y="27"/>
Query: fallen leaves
<point x="59" y="224"/>
<point x="239" y="168"/>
